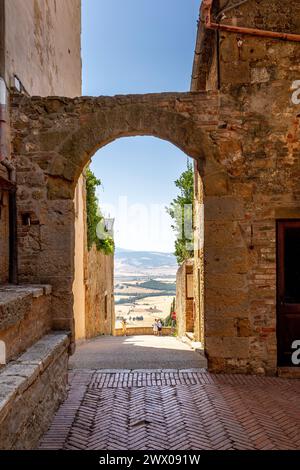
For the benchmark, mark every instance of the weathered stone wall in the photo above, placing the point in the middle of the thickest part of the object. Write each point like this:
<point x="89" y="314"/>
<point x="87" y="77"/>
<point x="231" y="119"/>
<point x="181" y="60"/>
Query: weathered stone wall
<point x="40" y="45"/>
<point x="259" y="152"/>
<point x="43" y="46"/>
<point x="99" y="298"/>
<point x="198" y="269"/>
<point x="4" y="237"/>
<point x="189" y="309"/>
<point x="184" y="305"/>
<point x="25" y="316"/>
<point x="31" y="389"/>
<point x="180" y="301"/>
<point x="249" y="60"/>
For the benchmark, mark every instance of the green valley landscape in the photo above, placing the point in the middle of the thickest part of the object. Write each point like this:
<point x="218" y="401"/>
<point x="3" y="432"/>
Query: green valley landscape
<point x="145" y="286"/>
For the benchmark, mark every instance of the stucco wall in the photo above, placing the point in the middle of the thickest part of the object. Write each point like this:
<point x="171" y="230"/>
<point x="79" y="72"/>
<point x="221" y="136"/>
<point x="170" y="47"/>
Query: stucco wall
<point x="42" y="45"/>
<point x="79" y="259"/>
<point x="99" y="300"/>
<point x="93" y="285"/>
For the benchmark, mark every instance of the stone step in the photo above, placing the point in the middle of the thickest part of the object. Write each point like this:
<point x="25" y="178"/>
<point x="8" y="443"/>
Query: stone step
<point x="31" y="388"/>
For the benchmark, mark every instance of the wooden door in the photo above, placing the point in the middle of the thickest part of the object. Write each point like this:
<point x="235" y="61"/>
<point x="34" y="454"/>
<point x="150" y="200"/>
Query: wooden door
<point x="288" y="289"/>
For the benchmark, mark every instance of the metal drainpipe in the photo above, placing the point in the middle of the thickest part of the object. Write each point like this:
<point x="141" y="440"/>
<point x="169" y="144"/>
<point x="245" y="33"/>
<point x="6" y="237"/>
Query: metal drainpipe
<point x="13" y="261"/>
<point x="207" y="9"/>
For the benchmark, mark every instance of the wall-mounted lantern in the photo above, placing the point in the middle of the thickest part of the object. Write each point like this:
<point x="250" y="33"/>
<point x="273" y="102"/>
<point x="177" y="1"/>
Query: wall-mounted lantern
<point x="109" y="226"/>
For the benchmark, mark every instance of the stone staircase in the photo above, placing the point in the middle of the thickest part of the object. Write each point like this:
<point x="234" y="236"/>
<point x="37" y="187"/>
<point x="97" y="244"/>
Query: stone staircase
<point x="34" y="362"/>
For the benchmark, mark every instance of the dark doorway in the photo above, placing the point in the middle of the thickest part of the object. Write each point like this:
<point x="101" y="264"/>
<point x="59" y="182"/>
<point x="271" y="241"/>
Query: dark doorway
<point x="288" y="289"/>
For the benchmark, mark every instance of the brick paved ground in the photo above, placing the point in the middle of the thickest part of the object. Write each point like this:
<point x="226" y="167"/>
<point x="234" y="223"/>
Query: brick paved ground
<point x="176" y="410"/>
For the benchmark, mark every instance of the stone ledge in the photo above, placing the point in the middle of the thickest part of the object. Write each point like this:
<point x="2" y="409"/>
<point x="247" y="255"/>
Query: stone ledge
<point x="141" y="330"/>
<point x="19" y="375"/>
<point x="289" y="372"/>
<point x="15" y="301"/>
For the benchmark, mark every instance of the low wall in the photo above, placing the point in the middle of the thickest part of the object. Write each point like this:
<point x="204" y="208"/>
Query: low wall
<point x="141" y="330"/>
<point x="24" y="317"/>
<point x="31" y="389"/>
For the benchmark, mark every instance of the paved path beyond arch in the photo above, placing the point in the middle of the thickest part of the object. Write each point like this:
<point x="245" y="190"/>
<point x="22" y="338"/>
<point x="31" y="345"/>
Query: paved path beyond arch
<point x="135" y="352"/>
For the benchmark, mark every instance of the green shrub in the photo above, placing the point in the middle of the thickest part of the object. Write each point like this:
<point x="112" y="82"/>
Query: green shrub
<point x="94" y="216"/>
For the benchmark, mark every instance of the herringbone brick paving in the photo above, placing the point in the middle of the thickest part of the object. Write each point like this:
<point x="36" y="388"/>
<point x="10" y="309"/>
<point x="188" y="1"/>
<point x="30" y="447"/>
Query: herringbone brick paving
<point x="176" y="410"/>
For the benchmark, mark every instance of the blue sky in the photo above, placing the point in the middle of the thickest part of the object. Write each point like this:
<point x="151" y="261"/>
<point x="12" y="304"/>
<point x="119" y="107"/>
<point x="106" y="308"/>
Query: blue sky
<point x="138" y="46"/>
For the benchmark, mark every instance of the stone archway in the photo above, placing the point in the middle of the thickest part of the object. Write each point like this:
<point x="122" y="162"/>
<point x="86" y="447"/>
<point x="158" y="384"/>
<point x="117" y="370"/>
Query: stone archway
<point x="54" y="138"/>
<point x="70" y="131"/>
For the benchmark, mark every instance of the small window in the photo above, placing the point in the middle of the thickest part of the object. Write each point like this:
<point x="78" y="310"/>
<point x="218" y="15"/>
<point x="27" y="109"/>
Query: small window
<point x="26" y="219"/>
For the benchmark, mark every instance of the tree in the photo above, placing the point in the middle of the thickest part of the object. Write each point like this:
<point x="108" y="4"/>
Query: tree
<point x="181" y="211"/>
<point x="94" y="216"/>
<point x="173" y="306"/>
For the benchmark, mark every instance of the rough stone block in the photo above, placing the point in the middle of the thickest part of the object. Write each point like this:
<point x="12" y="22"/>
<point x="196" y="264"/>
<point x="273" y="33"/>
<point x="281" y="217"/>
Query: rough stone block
<point x="227" y="347"/>
<point x="224" y="208"/>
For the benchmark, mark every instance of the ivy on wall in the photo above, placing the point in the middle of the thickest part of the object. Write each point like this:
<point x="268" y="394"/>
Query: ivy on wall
<point x="181" y="211"/>
<point x="94" y="216"/>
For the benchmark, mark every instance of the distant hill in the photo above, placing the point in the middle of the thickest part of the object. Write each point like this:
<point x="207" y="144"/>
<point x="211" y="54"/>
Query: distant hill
<point x="144" y="263"/>
<point x="158" y="285"/>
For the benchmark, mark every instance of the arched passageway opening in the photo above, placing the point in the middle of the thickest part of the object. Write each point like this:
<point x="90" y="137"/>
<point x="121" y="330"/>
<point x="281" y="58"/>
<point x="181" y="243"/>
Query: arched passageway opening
<point x="70" y="133"/>
<point x="138" y="175"/>
<point x="59" y="139"/>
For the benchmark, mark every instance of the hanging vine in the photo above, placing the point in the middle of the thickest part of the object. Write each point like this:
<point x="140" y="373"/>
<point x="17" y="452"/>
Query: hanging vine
<point x="94" y="216"/>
